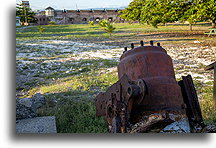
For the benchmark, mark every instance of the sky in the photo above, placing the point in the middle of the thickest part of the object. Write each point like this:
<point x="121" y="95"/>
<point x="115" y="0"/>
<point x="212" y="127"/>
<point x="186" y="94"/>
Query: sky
<point x="74" y="4"/>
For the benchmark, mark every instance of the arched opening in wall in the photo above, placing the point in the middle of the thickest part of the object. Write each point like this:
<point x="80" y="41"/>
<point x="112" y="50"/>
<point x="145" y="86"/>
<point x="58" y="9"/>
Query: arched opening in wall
<point x="97" y="19"/>
<point x="36" y="20"/>
<point x="110" y="19"/>
<point x="84" y="20"/>
<point x="71" y="20"/>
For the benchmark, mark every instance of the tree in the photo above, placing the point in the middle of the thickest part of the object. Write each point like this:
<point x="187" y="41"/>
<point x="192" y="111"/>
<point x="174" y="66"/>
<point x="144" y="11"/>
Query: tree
<point x="163" y="11"/>
<point x="155" y="12"/>
<point x="206" y="11"/>
<point x="103" y="23"/>
<point x="150" y="11"/>
<point x="189" y="12"/>
<point x="133" y="12"/>
<point x="26" y="14"/>
<point x="107" y="26"/>
<point x="91" y="23"/>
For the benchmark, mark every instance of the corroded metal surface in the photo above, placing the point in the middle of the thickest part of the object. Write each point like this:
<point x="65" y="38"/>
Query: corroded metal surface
<point x="147" y="97"/>
<point x="191" y="100"/>
<point x="154" y="66"/>
<point x="118" y="101"/>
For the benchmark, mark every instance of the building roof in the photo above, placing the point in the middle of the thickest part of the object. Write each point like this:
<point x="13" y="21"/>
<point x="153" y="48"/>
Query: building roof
<point x="49" y="8"/>
<point x="25" y="1"/>
<point x="210" y="67"/>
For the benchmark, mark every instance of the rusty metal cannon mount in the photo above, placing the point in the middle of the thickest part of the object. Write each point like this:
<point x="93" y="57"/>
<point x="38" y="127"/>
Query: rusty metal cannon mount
<point x="147" y="97"/>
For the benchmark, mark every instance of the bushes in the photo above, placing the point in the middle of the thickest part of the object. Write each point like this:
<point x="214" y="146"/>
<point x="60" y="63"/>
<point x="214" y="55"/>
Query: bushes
<point x="52" y="23"/>
<point x="41" y="29"/>
<point x="107" y="26"/>
<point x="103" y="23"/>
<point x="91" y="23"/>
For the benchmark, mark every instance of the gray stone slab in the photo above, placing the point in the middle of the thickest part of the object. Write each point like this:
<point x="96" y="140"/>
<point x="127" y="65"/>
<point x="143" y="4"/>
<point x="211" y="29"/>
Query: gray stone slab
<point x="181" y="126"/>
<point x="37" y="125"/>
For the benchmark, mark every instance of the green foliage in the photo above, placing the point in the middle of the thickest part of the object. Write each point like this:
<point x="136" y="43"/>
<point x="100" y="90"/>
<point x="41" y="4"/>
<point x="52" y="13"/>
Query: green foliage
<point x="207" y="105"/>
<point x="206" y="10"/>
<point x="162" y="11"/>
<point x="73" y="116"/>
<point x="103" y="23"/>
<point x="151" y="11"/>
<point x="133" y="12"/>
<point x="52" y="23"/>
<point x="41" y="29"/>
<point x="107" y="26"/>
<point x="91" y="23"/>
<point x="25" y="14"/>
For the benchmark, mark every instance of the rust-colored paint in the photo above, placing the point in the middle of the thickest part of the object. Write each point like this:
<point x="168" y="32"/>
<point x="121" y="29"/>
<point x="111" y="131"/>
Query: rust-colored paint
<point x="153" y="65"/>
<point x="146" y="86"/>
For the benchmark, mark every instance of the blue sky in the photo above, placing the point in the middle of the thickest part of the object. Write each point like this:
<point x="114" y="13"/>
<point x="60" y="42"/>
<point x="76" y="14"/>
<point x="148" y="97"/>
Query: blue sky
<point x="72" y="4"/>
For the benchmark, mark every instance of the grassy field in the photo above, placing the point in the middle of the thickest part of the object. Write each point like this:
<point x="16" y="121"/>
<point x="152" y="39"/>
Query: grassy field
<point x="71" y="64"/>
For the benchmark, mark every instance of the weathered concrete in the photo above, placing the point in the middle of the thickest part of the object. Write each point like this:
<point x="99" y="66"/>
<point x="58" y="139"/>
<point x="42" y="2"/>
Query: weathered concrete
<point x="36" y="125"/>
<point x="181" y="126"/>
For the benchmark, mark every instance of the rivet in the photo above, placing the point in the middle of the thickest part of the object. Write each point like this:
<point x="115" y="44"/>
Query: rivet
<point x="141" y="43"/>
<point x="151" y="43"/>
<point x="132" y="45"/>
<point x="125" y="49"/>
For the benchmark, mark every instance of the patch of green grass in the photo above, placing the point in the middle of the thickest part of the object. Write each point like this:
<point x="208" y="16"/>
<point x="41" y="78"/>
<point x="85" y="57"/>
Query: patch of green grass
<point x="86" y="31"/>
<point x="206" y="101"/>
<point x="207" y="105"/>
<point x="73" y="116"/>
<point x="81" y="82"/>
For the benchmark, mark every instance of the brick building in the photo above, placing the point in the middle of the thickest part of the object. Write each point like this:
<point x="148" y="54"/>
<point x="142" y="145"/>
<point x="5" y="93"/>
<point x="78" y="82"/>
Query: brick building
<point x="80" y="16"/>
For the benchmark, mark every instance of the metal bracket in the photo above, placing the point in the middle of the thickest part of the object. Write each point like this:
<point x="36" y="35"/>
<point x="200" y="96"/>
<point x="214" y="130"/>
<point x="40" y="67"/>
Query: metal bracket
<point x="189" y="94"/>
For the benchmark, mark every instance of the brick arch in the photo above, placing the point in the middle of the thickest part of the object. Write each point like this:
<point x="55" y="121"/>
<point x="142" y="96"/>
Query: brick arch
<point x="97" y="19"/>
<point x="110" y="19"/>
<point x="84" y="19"/>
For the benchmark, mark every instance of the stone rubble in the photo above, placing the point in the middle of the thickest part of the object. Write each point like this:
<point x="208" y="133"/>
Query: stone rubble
<point x="26" y="116"/>
<point x="27" y="107"/>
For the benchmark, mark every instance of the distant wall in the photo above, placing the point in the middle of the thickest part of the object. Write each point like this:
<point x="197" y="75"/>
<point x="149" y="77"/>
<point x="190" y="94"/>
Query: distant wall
<point x="42" y="20"/>
<point x="82" y="16"/>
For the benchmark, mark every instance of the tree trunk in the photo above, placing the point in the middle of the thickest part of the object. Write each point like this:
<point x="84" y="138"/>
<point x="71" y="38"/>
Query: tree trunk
<point x="190" y="27"/>
<point x="213" y="23"/>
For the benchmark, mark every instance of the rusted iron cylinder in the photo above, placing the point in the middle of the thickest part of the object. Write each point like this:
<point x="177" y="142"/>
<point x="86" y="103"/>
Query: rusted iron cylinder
<point x="153" y="65"/>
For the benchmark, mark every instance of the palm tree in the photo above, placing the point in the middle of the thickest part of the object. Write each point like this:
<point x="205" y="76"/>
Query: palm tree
<point x="109" y="28"/>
